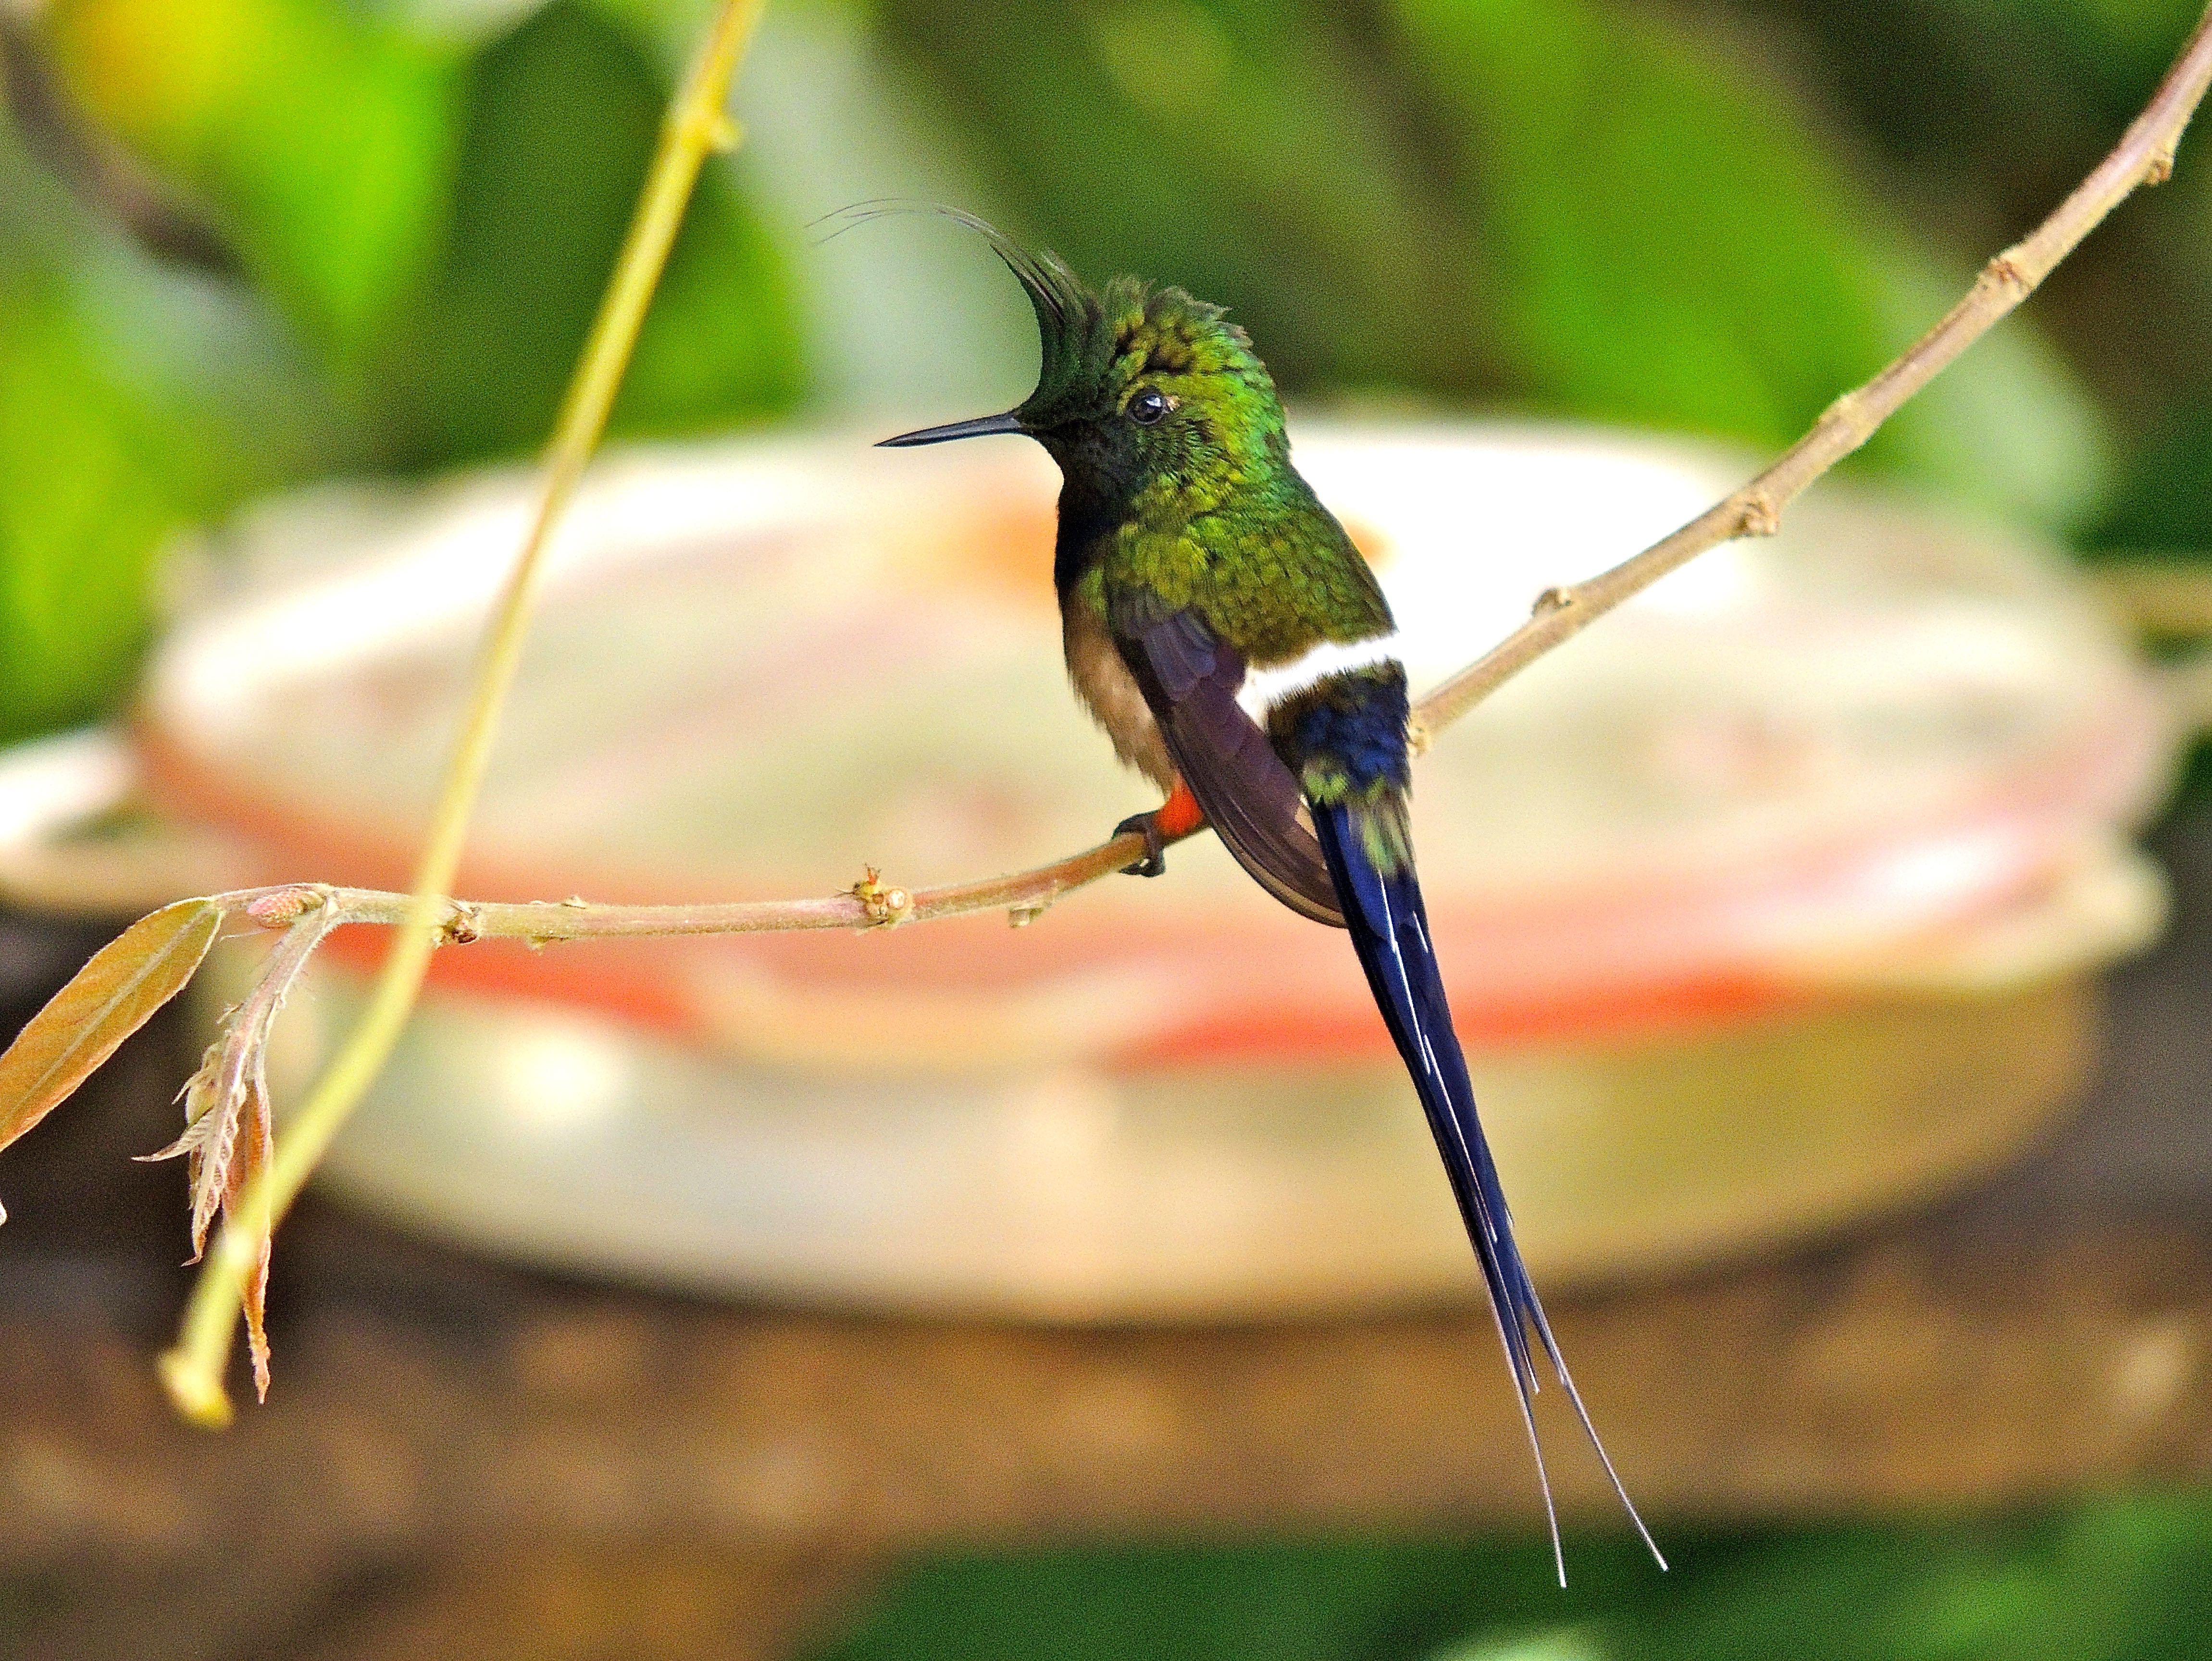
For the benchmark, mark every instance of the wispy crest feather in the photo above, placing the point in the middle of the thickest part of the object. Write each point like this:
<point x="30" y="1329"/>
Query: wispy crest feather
<point x="1072" y="331"/>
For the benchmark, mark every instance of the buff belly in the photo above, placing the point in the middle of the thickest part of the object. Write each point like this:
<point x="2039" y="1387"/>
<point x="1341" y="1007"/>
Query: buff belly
<point x="1107" y="688"/>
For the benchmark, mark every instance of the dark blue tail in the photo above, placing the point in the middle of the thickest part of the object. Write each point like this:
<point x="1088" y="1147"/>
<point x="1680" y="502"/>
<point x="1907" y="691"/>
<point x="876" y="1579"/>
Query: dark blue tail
<point x="1390" y="928"/>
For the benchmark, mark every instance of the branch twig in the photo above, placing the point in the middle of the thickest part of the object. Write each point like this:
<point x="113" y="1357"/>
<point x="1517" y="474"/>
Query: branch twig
<point x="2143" y="156"/>
<point x="697" y="123"/>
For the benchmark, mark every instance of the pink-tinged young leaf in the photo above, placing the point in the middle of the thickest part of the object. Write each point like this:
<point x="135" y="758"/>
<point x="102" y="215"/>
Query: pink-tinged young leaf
<point x="214" y="1100"/>
<point x="110" y="998"/>
<point x="255" y="1143"/>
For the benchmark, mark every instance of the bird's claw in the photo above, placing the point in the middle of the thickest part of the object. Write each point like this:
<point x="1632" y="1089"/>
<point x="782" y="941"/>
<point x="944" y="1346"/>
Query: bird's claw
<point x="1155" y="862"/>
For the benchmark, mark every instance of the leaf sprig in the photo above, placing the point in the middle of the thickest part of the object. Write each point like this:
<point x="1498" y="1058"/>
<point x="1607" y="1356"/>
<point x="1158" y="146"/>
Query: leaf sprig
<point x="106" y="1001"/>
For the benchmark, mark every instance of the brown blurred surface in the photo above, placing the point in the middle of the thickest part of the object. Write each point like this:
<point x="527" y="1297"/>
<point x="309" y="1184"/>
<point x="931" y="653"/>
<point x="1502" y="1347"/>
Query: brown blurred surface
<point x="464" y="1459"/>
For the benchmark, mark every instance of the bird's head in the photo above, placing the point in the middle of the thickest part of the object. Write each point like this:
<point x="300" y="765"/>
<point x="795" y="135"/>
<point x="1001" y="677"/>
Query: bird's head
<point x="1143" y="393"/>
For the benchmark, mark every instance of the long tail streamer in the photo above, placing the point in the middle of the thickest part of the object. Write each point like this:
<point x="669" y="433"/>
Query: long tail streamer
<point x="1390" y="928"/>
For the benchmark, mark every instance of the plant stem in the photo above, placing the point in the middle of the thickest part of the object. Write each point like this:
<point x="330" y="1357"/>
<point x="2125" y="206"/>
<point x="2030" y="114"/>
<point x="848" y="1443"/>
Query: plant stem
<point x="697" y="123"/>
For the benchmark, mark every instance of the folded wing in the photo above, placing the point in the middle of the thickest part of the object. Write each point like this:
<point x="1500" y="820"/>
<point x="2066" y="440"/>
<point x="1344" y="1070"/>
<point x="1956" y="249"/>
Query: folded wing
<point x="1190" y="680"/>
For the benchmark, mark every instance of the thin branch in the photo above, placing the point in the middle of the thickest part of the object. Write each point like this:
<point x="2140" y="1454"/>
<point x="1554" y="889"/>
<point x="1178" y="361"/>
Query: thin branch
<point x="697" y="124"/>
<point x="193" y="1371"/>
<point x="869" y="903"/>
<point x="2143" y="156"/>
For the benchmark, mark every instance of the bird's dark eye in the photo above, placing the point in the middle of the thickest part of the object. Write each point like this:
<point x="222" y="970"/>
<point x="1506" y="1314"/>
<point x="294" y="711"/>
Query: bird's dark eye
<point x="1148" y="406"/>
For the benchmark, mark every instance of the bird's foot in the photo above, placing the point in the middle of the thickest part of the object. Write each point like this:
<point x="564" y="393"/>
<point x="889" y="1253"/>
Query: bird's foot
<point x="1155" y="862"/>
<point x="1173" y="820"/>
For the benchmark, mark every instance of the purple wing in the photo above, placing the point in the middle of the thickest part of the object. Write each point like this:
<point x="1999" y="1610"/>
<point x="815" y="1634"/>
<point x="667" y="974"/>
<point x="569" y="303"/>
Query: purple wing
<point x="1253" y="802"/>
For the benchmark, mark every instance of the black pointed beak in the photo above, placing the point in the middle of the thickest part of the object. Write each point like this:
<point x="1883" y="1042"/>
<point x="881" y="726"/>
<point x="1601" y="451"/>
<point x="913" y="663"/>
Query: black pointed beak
<point x="981" y="426"/>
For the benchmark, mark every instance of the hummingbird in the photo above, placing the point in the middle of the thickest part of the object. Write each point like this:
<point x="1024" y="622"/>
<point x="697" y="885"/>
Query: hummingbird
<point x="1221" y="627"/>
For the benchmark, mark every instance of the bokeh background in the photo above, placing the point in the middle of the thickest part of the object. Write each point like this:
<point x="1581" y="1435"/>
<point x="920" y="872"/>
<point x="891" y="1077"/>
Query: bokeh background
<point x="250" y="242"/>
<point x="247" y="243"/>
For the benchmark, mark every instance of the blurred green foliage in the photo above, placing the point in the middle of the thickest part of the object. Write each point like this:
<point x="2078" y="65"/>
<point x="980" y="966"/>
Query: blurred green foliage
<point x="133" y="401"/>
<point x="319" y="134"/>
<point x="560" y="118"/>
<point x="422" y="218"/>
<point x="2125" y="1579"/>
<point x="1710" y="218"/>
<point x="78" y="528"/>
<point x="1619" y="292"/>
<point x="1570" y="206"/>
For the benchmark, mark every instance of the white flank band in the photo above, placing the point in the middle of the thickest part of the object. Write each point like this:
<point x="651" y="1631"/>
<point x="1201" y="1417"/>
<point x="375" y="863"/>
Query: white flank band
<point x="1264" y="688"/>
